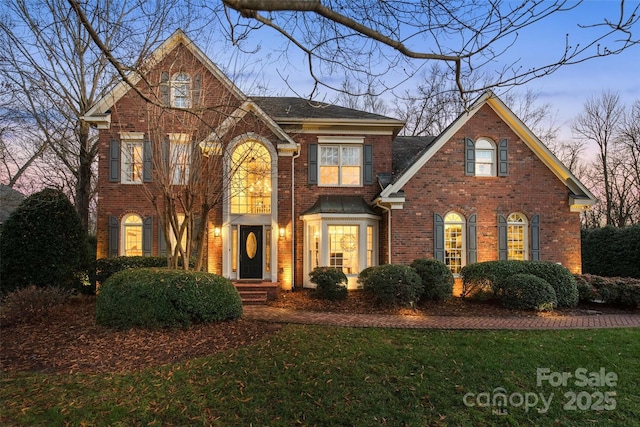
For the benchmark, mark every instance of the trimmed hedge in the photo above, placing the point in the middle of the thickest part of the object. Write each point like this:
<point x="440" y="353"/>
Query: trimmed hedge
<point x="107" y="267"/>
<point x="391" y="284"/>
<point x="609" y="290"/>
<point x="437" y="279"/>
<point x="155" y="297"/>
<point x="611" y="252"/>
<point x="331" y="283"/>
<point x="43" y="244"/>
<point x="527" y="292"/>
<point x="483" y="274"/>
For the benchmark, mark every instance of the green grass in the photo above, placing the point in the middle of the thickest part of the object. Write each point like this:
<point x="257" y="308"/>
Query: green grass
<point x="326" y="376"/>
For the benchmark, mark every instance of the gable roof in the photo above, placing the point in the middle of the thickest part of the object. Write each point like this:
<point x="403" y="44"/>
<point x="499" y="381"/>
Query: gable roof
<point x="580" y="196"/>
<point x="99" y="113"/>
<point x="406" y="149"/>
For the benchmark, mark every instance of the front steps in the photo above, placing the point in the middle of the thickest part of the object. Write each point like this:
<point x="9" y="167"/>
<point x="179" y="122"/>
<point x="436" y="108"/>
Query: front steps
<point x="256" y="292"/>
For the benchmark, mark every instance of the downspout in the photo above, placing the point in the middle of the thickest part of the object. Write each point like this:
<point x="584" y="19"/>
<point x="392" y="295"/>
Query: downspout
<point x="293" y="218"/>
<point x="388" y="228"/>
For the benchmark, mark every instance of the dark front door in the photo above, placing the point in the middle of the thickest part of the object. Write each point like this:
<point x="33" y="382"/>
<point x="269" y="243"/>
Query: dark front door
<point x="250" y="252"/>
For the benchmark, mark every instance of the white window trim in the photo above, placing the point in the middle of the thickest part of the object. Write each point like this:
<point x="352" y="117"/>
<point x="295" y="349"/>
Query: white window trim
<point x="126" y="139"/>
<point x="525" y="233"/>
<point x="494" y="156"/>
<point x="174" y="83"/>
<point x="322" y="222"/>
<point x="181" y="139"/>
<point x="463" y="223"/>
<point x="123" y="233"/>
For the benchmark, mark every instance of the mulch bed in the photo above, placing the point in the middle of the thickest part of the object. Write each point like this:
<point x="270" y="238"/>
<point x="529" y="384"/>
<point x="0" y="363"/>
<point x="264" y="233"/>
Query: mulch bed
<point x="69" y="340"/>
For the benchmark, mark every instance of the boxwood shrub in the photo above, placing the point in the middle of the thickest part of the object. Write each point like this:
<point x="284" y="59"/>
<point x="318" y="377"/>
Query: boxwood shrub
<point x="436" y="277"/>
<point x="527" y="292"/>
<point x="391" y="284"/>
<point x="156" y="297"/>
<point x="331" y="283"/>
<point x="492" y="272"/>
<point x="107" y="267"/>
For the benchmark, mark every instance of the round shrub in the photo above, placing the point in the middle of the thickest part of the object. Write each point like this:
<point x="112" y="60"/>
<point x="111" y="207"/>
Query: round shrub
<point x="156" y="297"/>
<point x="527" y="292"/>
<point x="43" y="244"/>
<point x="32" y="304"/>
<point x="559" y="277"/>
<point x="331" y="283"/>
<point x="437" y="279"/>
<point x="394" y="285"/>
<point x="107" y="267"/>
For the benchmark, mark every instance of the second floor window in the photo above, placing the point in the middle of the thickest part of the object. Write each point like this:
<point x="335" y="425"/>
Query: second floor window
<point x="181" y="90"/>
<point x="179" y="157"/>
<point x="485" y="158"/>
<point x="132" y="162"/>
<point x="340" y="165"/>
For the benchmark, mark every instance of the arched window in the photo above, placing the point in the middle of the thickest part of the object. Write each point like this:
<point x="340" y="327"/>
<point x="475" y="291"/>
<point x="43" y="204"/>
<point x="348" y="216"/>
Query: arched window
<point x="485" y="157"/>
<point x="454" y="247"/>
<point x="517" y="232"/>
<point x="132" y="235"/>
<point x="251" y="179"/>
<point x="181" y="90"/>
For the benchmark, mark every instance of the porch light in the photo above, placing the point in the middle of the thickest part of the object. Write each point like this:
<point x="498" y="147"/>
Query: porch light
<point x="282" y="231"/>
<point x="216" y="231"/>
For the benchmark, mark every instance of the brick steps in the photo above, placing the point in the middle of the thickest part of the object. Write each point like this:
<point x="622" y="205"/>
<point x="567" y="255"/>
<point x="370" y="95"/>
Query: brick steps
<point x="255" y="292"/>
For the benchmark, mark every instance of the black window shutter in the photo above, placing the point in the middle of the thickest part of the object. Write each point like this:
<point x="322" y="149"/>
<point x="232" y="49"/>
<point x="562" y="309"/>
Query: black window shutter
<point x="114" y="236"/>
<point x="472" y="239"/>
<point x="438" y="237"/>
<point x="147" y="236"/>
<point x="313" y="164"/>
<point x="114" y="160"/>
<point x="368" y="164"/>
<point x="535" y="238"/>
<point x="502" y="237"/>
<point x="162" y="241"/>
<point x="469" y="157"/>
<point x="197" y="89"/>
<point x="503" y="158"/>
<point x="147" y="161"/>
<point x="164" y="88"/>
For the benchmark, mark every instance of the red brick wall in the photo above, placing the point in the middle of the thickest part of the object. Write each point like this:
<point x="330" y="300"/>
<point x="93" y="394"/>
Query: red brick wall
<point x="530" y="188"/>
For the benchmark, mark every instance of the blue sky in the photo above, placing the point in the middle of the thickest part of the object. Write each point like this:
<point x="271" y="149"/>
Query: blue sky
<point x="565" y="90"/>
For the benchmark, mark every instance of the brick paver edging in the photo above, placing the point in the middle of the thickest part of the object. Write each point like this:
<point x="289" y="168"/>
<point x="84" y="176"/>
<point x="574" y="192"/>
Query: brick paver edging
<point x="282" y="315"/>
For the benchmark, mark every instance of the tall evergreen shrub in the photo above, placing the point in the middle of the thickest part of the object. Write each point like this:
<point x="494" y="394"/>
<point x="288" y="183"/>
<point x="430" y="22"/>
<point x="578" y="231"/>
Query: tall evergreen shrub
<point x="43" y="244"/>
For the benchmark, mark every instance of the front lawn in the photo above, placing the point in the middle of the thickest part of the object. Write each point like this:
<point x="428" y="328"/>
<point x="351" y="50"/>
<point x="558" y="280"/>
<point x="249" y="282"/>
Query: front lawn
<point x="327" y="376"/>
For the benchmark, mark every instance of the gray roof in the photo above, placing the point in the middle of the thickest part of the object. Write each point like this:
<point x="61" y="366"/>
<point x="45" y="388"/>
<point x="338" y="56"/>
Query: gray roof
<point x="301" y="108"/>
<point x="407" y="149"/>
<point x="340" y="205"/>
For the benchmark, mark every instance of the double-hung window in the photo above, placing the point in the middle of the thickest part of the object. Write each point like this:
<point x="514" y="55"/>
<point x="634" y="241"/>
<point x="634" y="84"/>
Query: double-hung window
<point x="180" y="90"/>
<point x="485" y="158"/>
<point x="131" y="155"/>
<point x="340" y="164"/>
<point x="179" y="157"/>
<point x="517" y="232"/>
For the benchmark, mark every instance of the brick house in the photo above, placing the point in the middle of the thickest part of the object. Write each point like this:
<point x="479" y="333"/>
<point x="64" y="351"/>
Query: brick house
<point x="322" y="185"/>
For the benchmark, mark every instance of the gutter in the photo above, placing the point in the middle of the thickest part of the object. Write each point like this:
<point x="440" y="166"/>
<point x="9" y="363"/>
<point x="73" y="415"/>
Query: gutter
<point x="293" y="218"/>
<point x="388" y="209"/>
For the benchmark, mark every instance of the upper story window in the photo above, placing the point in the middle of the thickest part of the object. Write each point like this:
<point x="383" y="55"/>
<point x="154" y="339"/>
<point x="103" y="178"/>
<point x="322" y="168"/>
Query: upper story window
<point x="340" y="161"/>
<point x="181" y="90"/>
<point x="341" y="165"/>
<point x="180" y="148"/>
<point x="485" y="158"/>
<point x="131" y="156"/>
<point x="517" y="232"/>
<point x="251" y="179"/>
